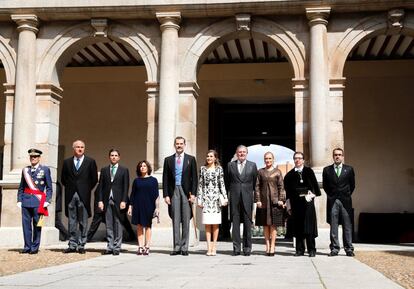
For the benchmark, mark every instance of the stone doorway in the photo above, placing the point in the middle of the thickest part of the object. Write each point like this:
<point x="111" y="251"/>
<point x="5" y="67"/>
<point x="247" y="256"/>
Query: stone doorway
<point x="232" y="124"/>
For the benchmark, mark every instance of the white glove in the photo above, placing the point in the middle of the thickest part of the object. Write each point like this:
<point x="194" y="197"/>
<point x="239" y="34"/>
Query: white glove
<point x="19" y="205"/>
<point x="46" y="204"/>
<point x="309" y="196"/>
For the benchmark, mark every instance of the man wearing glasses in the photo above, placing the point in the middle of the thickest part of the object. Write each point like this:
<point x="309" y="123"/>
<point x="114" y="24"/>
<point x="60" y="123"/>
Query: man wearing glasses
<point x="301" y="188"/>
<point x="33" y="198"/>
<point x="339" y="183"/>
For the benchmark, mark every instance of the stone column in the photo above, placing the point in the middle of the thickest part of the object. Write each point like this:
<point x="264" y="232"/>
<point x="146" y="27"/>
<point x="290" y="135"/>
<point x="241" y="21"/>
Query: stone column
<point x="168" y="100"/>
<point x="25" y="90"/>
<point x="300" y="89"/>
<point x="336" y="109"/>
<point x="152" y="122"/>
<point x="319" y="85"/>
<point x="187" y="115"/>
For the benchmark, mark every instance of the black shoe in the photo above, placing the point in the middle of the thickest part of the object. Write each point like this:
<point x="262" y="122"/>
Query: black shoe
<point x="312" y="254"/>
<point x="115" y="253"/>
<point x="235" y="253"/>
<point x="246" y="253"/>
<point x="271" y="254"/>
<point x="333" y="254"/>
<point x="34" y="252"/>
<point x="107" y="252"/>
<point x="184" y="253"/>
<point x="297" y="254"/>
<point x="350" y="254"/>
<point x="69" y="250"/>
<point x="81" y="251"/>
<point x="25" y="251"/>
<point x="175" y="253"/>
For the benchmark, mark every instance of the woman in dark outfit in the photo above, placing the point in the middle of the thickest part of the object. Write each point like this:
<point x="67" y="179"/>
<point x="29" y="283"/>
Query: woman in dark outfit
<point x="144" y="204"/>
<point x="301" y="188"/>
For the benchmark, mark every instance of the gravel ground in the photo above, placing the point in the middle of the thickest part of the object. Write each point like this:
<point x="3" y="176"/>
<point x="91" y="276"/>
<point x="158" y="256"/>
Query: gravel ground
<point x="11" y="261"/>
<point x="396" y="265"/>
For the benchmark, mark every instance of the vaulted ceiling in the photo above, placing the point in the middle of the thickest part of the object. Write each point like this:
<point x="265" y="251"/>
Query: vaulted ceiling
<point x="244" y="51"/>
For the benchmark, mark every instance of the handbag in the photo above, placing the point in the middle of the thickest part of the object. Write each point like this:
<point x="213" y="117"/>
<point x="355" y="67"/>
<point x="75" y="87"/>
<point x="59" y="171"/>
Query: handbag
<point x="222" y="201"/>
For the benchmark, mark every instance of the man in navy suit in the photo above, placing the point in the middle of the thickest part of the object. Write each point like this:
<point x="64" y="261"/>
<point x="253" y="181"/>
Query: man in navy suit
<point x="339" y="184"/>
<point x="33" y="197"/>
<point x="179" y="190"/>
<point x="79" y="176"/>
<point x="112" y="198"/>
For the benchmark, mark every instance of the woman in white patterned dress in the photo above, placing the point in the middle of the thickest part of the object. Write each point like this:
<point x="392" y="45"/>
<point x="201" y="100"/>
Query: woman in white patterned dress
<point x="211" y="196"/>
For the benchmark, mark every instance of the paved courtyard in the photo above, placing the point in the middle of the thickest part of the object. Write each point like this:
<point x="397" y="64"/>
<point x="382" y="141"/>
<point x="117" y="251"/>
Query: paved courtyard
<point x="159" y="270"/>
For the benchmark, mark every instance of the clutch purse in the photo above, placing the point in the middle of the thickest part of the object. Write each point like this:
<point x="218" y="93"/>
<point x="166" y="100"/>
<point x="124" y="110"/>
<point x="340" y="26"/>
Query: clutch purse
<point x="222" y="201"/>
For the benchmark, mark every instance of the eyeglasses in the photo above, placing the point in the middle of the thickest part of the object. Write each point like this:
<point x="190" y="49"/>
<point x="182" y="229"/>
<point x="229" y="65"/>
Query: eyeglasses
<point x="337" y="155"/>
<point x="298" y="158"/>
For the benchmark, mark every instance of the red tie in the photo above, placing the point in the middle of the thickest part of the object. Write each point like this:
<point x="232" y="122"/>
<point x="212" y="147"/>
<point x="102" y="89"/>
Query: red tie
<point x="179" y="160"/>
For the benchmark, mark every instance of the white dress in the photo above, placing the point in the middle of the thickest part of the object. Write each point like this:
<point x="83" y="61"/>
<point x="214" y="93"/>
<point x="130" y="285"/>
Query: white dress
<point x="210" y="187"/>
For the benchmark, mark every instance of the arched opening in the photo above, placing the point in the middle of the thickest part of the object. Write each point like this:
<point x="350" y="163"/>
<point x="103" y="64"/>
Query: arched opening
<point x="105" y="102"/>
<point x="245" y="91"/>
<point x="377" y="124"/>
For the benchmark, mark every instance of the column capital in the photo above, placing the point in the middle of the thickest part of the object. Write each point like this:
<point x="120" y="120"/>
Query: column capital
<point x="318" y="15"/>
<point x="169" y="20"/>
<point x="26" y="22"/>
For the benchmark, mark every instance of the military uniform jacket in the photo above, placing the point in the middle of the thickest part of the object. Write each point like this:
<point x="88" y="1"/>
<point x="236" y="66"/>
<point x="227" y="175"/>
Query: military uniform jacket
<point x="43" y="182"/>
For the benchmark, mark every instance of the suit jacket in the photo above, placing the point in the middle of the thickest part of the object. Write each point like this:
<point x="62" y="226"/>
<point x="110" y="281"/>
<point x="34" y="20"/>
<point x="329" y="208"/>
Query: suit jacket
<point x="42" y="180"/>
<point x="119" y="186"/>
<point x="81" y="181"/>
<point x="241" y="185"/>
<point x="189" y="177"/>
<point x="340" y="187"/>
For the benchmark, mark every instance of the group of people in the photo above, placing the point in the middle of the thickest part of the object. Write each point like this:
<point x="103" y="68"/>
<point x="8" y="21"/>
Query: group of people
<point x="183" y="187"/>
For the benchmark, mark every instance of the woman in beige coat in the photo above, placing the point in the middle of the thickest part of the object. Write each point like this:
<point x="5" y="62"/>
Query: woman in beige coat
<point x="270" y="197"/>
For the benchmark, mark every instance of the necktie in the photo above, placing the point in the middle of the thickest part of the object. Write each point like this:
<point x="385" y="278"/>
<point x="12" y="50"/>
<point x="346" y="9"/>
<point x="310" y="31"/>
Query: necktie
<point x="112" y="172"/>
<point x="241" y="167"/>
<point x="338" y="171"/>
<point x="77" y="164"/>
<point x="179" y="160"/>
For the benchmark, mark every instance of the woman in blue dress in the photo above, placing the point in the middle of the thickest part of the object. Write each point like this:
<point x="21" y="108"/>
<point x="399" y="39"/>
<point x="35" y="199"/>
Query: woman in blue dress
<point x="144" y="205"/>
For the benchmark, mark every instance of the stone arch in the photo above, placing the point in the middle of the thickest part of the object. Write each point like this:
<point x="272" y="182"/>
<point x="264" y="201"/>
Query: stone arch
<point x="57" y="55"/>
<point x="222" y="31"/>
<point x="367" y="27"/>
<point x="8" y="59"/>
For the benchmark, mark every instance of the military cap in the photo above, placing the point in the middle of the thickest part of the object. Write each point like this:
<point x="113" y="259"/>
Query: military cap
<point x="34" y="152"/>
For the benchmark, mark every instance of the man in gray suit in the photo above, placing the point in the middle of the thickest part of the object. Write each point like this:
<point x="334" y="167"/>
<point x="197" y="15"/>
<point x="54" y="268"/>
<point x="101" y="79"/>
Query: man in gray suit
<point x="113" y="194"/>
<point x="241" y="177"/>
<point x="179" y="190"/>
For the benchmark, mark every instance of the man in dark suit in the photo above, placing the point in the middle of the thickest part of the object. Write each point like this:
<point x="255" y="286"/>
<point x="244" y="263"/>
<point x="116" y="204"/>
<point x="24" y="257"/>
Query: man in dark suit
<point x="241" y="178"/>
<point x="112" y="198"/>
<point x="179" y="191"/>
<point x="33" y="197"/>
<point x="79" y="176"/>
<point x="339" y="184"/>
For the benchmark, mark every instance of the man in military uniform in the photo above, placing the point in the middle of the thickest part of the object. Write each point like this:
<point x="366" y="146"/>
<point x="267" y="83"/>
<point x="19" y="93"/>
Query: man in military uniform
<point x="33" y="197"/>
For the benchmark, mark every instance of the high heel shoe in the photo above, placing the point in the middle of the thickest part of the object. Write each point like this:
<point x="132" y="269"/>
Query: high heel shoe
<point x="140" y="251"/>
<point x="146" y="251"/>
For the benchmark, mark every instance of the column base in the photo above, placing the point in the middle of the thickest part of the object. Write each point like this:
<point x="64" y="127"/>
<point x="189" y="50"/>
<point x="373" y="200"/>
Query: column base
<point x="12" y="237"/>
